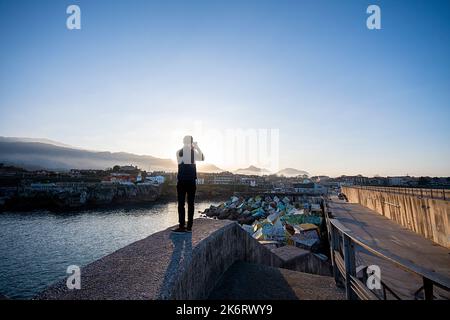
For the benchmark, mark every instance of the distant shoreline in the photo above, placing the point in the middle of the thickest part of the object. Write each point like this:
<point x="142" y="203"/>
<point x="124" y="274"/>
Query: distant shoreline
<point x="110" y="197"/>
<point x="105" y="207"/>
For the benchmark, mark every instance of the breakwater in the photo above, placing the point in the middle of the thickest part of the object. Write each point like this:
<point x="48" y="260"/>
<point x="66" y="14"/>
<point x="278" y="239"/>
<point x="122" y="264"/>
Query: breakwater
<point x="192" y="266"/>
<point x="167" y="265"/>
<point x="67" y="196"/>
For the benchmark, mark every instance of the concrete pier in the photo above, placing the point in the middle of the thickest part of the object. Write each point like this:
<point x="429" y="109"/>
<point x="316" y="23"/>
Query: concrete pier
<point x="426" y="216"/>
<point x="167" y="265"/>
<point x="397" y="243"/>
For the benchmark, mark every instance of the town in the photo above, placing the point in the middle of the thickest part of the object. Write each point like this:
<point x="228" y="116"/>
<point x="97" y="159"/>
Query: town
<point x="20" y="188"/>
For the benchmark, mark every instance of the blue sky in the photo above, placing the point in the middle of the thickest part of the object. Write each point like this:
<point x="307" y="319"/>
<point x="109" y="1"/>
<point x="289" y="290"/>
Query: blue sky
<point x="345" y="99"/>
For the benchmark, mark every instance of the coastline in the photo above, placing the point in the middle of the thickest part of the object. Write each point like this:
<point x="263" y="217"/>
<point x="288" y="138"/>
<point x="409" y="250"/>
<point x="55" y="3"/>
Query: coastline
<point x="132" y="204"/>
<point x="117" y="196"/>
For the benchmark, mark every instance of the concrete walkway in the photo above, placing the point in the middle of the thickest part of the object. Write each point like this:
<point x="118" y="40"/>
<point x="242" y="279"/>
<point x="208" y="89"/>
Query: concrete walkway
<point x="188" y="266"/>
<point x="397" y="243"/>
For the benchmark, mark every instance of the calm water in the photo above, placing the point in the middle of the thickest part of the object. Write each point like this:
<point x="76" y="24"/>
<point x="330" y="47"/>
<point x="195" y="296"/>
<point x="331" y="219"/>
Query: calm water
<point x="36" y="248"/>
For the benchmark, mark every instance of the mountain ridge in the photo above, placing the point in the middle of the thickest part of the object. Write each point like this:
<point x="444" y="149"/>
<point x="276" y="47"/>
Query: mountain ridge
<point x="252" y="170"/>
<point x="291" y="172"/>
<point x="38" y="154"/>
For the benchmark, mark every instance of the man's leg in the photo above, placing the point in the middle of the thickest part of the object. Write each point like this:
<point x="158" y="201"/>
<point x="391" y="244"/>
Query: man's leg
<point x="191" y="198"/>
<point x="181" y="193"/>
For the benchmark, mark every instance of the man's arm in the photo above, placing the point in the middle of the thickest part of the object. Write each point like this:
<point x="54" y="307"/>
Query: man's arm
<point x="198" y="154"/>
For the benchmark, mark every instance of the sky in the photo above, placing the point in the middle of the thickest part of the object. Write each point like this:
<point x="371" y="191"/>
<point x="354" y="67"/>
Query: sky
<point x="139" y="75"/>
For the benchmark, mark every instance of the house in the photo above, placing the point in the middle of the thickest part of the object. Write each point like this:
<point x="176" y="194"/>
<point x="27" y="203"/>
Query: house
<point x="223" y="178"/>
<point x="155" y="179"/>
<point x="43" y="186"/>
<point x="249" y="180"/>
<point x="398" y="181"/>
<point x="120" y="178"/>
<point x="309" y="188"/>
<point x="128" y="168"/>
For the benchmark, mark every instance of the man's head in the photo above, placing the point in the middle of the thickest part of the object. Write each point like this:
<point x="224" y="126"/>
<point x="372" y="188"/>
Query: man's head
<point x="187" y="140"/>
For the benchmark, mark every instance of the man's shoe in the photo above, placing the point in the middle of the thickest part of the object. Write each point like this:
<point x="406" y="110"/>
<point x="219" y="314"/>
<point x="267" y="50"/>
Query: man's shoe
<point x="179" y="230"/>
<point x="189" y="229"/>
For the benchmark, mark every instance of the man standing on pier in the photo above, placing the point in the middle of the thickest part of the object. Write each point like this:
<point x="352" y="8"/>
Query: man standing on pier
<point x="186" y="181"/>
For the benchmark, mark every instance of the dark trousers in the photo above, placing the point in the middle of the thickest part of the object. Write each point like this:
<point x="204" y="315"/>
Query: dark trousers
<point x="183" y="188"/>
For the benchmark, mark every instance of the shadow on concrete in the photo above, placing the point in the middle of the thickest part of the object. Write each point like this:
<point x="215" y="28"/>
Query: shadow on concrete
<point x="364" y="227"/>
<point x="245" y="281"/>
<point x="182" y="253"/>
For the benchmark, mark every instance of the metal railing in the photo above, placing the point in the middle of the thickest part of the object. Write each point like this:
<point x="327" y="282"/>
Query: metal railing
<point x="417" y="192"/>
<point x="342" y="247"/>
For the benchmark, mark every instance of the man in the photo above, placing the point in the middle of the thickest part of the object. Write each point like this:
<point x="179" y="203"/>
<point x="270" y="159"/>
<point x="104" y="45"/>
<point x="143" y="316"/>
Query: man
<point x="186" y="181"/>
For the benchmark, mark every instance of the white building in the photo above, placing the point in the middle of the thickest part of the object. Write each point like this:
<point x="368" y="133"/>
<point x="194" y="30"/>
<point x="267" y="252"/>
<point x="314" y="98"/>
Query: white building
<point x="156" y="179"/>
<point x="398" y="181"/>
<point x="309" y="188"/>
<point x="223" y="179"/>
<point x="43" y="186"/>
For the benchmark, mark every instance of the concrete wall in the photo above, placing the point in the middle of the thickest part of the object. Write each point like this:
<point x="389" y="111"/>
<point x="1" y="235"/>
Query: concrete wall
<point x="425" y="216"/>
<point x="166" y="265"/>
<point x="213" y="256"/>
<point x="309" y="263"/>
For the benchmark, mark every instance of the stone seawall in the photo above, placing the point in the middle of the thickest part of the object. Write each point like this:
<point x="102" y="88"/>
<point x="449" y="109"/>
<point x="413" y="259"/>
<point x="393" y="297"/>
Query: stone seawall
<point x="66" y="196"/>
<point x="427" y="217"/>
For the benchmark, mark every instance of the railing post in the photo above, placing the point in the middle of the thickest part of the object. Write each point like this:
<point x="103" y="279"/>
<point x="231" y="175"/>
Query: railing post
<point x="350" y="266"/>
<point x="428" y="289"/>
<point x="335" y="247"/>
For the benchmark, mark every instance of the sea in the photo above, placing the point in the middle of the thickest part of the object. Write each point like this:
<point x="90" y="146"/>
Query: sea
<point x="37" y="247"/>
